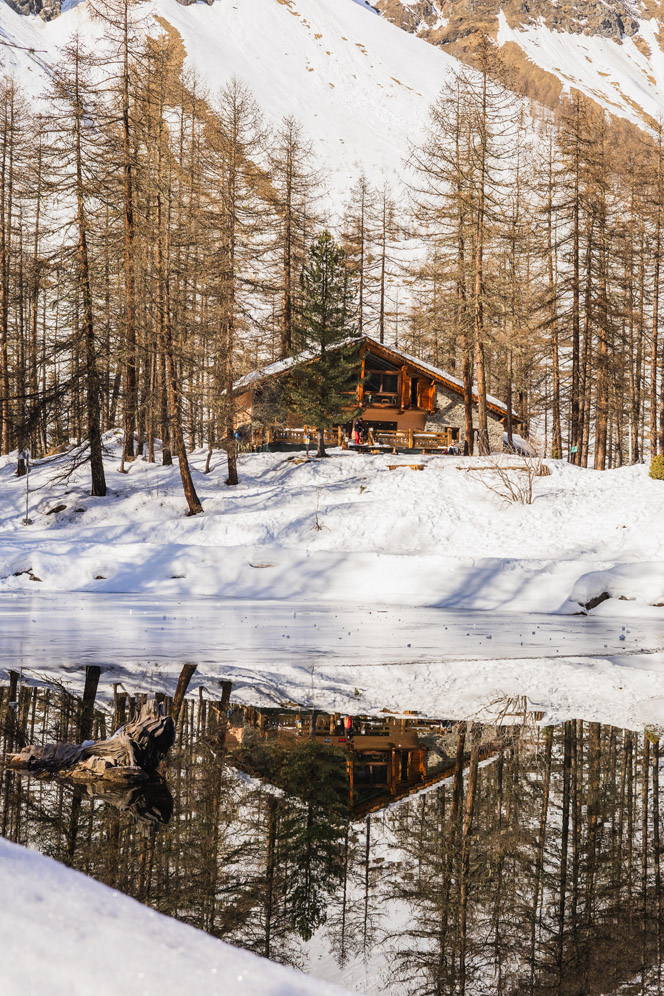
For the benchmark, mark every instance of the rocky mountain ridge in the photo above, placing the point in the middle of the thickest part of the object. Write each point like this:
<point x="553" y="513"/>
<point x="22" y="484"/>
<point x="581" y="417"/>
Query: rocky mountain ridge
<point x="446" y="21"/>
<point x="613" y="50"/>
<point x="335" y="56"/>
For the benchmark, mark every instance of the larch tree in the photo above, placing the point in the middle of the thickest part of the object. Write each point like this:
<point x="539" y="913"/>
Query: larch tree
<point x="387" y="238"/>
<point x="75" y="148"/>
<point x="237" y="181"/>
<point x="296" y="186"/>
<point x="462" y="170"/>
<point x="574" y="148"/>
<point x="122" y="21"/>
<point x="492" y="107"/>
<point x="163" y="198"/>
<point x="442" y="207"/>
<point x="360" y="236"/>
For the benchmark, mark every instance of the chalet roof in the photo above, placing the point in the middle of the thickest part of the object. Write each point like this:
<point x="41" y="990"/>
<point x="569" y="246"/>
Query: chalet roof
<point x="436" y="373"/>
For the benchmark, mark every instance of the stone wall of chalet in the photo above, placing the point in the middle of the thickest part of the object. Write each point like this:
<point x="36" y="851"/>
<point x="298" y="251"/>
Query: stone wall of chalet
<point x="450" y="413"/>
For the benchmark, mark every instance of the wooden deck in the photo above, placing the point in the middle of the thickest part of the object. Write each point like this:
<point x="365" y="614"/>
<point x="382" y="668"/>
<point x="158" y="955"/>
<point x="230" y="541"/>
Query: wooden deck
<point x="425" y="442"/>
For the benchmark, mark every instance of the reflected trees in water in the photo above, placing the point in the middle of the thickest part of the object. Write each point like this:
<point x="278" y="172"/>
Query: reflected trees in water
<point x="535" y="868"/>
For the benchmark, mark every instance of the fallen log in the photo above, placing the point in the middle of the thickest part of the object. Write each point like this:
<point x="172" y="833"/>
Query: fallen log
<point x="131" y="755"/>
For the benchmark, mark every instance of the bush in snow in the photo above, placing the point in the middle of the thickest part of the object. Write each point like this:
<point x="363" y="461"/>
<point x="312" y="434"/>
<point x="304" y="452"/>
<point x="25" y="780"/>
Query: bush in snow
<point x="512" y="484"/>
<point x="657" y="467"/>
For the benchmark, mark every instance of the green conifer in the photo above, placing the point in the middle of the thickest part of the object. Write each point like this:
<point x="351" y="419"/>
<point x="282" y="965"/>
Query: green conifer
<point x="322" y="390"/>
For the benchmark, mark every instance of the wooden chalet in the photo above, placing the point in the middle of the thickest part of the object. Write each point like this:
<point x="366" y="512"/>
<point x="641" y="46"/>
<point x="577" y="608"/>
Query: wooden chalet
<point x="386" y="759"/>
<point x="403" y="400"/>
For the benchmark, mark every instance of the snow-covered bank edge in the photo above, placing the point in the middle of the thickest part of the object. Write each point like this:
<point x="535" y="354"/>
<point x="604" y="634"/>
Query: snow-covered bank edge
<point x="640" y="584"/>
<point x="278" y="573"/>
<point x="66" y="935"/>
<point x="286" y="574"/>
<point x="355" y="528"/>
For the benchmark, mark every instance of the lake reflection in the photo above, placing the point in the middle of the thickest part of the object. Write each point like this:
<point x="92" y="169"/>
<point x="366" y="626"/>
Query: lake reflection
<point x="444" y="857"/>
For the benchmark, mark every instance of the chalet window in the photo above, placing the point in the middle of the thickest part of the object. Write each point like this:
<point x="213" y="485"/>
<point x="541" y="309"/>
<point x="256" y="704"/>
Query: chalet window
<point x="378" y="363"/>
<point x="372" y="383"/>
<point x="381" y="387"/>
<point x="377" y="382"/>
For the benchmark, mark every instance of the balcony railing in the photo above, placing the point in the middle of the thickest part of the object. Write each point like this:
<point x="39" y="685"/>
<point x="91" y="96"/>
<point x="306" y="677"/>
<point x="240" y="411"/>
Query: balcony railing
<point x="407" y="440"/>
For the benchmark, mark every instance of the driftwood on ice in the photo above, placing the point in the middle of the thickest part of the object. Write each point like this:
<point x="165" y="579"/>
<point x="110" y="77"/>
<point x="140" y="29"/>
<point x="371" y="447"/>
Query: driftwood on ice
<point x="132" y="754"/>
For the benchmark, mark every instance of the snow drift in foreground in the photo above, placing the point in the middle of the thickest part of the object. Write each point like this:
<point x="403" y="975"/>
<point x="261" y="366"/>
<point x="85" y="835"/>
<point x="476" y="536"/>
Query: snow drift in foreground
<point x="346" y="529"/>
<point x="66" y="935"/>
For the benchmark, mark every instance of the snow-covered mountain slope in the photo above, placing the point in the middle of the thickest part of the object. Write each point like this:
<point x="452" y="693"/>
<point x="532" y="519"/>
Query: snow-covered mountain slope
<point x="360" y="86"/>
<point x="610" y="50"/>
<point x="625" y="76"/>
<point x="362" y="81"/>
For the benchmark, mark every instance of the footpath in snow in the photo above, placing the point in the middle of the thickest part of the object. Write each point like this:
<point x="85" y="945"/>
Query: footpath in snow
<point x="343" y="529"/>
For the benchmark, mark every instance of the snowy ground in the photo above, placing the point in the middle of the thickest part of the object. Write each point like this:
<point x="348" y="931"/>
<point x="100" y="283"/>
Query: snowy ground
<point x="66" y="935"/>
<point x="347" y="529"/>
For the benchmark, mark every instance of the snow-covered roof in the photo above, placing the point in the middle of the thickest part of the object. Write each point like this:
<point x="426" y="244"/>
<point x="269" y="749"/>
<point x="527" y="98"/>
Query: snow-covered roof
<point x="440" y="374"/>
<point x="282" y="366"/>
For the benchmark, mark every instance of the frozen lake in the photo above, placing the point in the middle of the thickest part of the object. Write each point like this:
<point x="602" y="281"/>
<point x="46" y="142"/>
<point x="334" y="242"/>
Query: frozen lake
<point x="107" y="629"/>
<point x="429" y="660"/>
<point x="562" y="782"/>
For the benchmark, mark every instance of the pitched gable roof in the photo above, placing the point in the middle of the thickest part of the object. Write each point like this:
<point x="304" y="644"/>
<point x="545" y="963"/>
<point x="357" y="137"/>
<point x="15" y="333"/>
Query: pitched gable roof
<point x="448" y="380"/>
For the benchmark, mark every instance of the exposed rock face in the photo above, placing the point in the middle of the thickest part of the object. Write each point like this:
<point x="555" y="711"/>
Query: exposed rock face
<point x="446" y="22"/>
<point x="48" y="9"/>
<point x="458" y="26"/>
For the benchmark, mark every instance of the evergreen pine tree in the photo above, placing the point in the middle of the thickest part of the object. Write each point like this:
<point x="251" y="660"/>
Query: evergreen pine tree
<point x="321" y="391"/>
<point x="313" y="821"/>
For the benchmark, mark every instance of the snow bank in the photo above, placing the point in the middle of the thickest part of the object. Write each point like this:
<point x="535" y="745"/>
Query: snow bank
<point x="344" y="529"/>
<point x="67" y="935"/>
<point x="642" y="583"/>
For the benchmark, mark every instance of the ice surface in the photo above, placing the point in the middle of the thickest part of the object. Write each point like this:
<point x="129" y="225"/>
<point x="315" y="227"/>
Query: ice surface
<point x="347" y="659"/>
